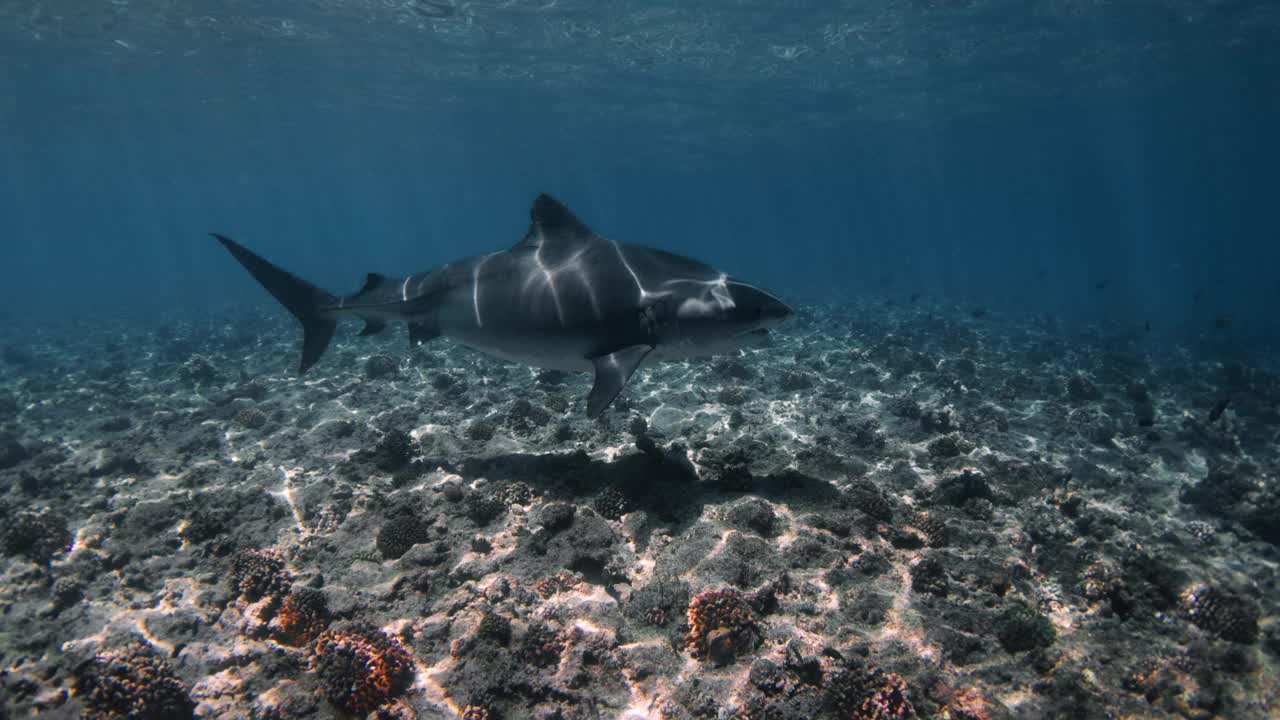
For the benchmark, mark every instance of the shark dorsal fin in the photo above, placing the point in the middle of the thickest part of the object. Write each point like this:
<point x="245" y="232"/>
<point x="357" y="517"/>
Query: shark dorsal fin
<point x="371" y="281"/>
<point x="552" y="222"/>
<point x="555" y="220"/>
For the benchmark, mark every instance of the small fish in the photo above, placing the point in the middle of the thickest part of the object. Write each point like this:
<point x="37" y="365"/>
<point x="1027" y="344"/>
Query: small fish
<point x="1199" y="293"/>
<point x="1041" y="273"/>
<point x="1146" y="326"/>
<point x="979" y="312"/>
<point x="915" y="296"/>
<point x="1222" y="322"/>
<point x="1102" y="284"/>
<point x="1218" y="409"/>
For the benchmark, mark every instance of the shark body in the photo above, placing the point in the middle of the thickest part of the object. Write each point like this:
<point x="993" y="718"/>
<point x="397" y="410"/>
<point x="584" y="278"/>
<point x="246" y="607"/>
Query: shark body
<point x="562" y="298"/>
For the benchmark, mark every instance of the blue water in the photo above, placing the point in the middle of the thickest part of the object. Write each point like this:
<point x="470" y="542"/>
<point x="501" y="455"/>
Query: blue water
<point x="1013" y="155"/>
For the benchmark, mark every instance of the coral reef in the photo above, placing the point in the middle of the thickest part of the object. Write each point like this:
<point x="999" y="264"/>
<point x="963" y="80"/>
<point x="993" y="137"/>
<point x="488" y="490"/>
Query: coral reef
<point x="722" y="626"/>
<point x="400" y="533"/>
<point x="251" y="418"/>
<point x="1019" y="628"/>
<point x="303" y="615"/>
<point x="940" y="515"/>
<point x="380" y="366"/>
<point x="612" y="504"/>
<point x="361" y="667"/>
<point x="258" y="573"/>
<point x="1227" y="615"/>
<point x="864" y="495"/>
<point x="37" y="536"/>
<point x="131" y="682"/>
<point x="394" y="450"/>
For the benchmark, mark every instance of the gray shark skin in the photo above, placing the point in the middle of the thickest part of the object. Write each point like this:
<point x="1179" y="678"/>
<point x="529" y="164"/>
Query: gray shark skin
<point x="562" y="298"/>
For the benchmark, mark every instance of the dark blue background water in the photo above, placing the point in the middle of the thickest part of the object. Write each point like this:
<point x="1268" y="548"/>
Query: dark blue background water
<point x="1016" y="156"/>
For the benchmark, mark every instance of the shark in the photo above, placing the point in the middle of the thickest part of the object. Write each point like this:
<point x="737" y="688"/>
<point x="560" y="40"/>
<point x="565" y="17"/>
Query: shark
<point x="562" y="298"/>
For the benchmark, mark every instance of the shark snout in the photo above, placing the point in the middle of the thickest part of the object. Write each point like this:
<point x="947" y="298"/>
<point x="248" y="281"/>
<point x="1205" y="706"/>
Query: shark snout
<point x="778" y="310"/>
<point x="757" y="307"/>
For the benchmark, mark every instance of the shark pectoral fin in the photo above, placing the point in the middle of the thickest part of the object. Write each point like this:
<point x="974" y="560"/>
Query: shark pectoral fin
<point x="422" y="332"/>
<point x="373" y="327"/>
<point x="612" y="372"/>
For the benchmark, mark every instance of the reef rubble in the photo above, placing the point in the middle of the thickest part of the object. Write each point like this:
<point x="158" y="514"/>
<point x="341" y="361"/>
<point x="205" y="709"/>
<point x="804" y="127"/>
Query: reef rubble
<point x="885" y="513"/>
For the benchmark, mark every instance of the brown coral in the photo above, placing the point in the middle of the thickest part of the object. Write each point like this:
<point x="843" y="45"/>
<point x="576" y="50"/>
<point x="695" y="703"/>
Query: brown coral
<point x="888" y="701"/>
<point x="866" y="496"/>
<point x="1225" y="614"/>
<point x="302" y="617"/>
<point x="478" y="712"/>
<point x="967" y="703"/>
<point x="251" y="418"/>
<point x="858" y="690"/>
<point x="556" y="584"/>
<point x="721" y="626"/>
<point x="38" y="536"/>
<point x="541" y="645"/>
<point x="361" y="667"/>
<point x="934" y="527"/>
<point x="132" y="682"/>
<point x="258" y="573"/>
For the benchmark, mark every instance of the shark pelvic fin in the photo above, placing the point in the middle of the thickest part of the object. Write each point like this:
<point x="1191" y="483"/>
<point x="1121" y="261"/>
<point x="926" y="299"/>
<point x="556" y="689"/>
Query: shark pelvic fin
<point x="612" y="372"/>
<point x="304" y="300"/>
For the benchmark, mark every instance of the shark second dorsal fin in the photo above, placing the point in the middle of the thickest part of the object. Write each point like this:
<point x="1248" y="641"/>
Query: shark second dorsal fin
<point x="371" y="281"/>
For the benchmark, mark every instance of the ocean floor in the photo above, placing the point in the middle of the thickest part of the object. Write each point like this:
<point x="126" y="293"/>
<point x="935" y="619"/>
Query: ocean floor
<point x="886" y="513"/>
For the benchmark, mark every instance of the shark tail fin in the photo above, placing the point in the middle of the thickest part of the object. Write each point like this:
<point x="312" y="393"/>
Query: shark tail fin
<point x="300" y="297"/>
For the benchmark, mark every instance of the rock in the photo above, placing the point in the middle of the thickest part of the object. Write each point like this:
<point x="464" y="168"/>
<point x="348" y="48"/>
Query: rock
<point x="380" y="366"/>
<point x="111" y="461"/>
<point x="1020" y="629"/>
<point x="11" y="451"/>
<point x="1081" y="389"/>
<point x="556" y="516"/>
<point x="754" y="515"/>
<point x="1144" y="413"/>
